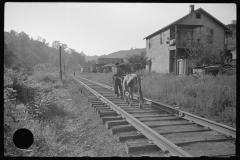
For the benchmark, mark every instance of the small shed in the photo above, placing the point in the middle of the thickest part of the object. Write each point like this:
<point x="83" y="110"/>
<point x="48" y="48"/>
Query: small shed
<point x="199" y="71"/>
<point x="107" y="68"/>
<point x="204" y="70"/>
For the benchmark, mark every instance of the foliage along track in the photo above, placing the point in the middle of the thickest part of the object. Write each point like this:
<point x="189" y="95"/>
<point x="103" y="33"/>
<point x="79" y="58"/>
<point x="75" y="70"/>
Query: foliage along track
<point x="156" y="131"/>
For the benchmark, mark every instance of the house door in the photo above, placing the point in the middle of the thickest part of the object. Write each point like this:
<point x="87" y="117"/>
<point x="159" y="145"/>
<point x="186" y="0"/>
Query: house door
<point x="180" y="66"/>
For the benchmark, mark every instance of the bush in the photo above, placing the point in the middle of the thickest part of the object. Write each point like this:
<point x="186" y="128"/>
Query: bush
<point x="34" y="105"/>
<point x="45" y="73"/>
<point x="47" y="77"/>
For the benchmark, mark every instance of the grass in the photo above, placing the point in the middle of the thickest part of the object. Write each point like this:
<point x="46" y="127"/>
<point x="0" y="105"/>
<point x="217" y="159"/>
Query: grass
<point x="212" y="97"/>
<point x="59" y="117"/>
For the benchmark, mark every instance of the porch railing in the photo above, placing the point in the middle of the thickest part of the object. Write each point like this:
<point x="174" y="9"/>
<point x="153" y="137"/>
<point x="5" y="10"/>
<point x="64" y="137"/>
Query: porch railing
<point x="181" y="43"/>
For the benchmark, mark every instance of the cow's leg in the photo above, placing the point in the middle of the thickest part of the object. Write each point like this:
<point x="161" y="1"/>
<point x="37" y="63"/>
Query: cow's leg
<point x="141" y="100"/>
<point x="116" y="88"/>
<point x="121" y="90"/>
<point x="124" y="91"/>
<point x="126" y="97"/>
<point x="131" y="87"/>
<point x="130" y="94"/>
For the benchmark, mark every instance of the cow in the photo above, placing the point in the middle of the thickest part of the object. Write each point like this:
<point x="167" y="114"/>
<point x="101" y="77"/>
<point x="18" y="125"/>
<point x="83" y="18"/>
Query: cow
<point x="128" y="84"/>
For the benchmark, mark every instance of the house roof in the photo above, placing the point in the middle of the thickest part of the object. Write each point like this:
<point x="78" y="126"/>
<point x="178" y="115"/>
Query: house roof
<point x="108" y="65"/>
<point x="175" y="22"/>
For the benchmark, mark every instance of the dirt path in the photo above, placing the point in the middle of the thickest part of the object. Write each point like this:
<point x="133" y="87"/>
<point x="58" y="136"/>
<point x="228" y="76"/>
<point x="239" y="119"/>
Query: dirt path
<point x="84" y="135"/>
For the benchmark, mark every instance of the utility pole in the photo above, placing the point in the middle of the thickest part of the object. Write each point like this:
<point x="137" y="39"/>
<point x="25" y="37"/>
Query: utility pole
<point x="60" y="62"/>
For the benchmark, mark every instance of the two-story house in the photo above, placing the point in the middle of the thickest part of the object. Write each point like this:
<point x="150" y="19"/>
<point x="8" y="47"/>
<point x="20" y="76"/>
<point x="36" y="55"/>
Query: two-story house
<point x="166" y="47"/>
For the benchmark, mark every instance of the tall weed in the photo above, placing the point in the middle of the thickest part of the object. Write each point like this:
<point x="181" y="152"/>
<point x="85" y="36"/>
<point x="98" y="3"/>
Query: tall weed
<point x="209" y="96"/>
<point x="35" y="105"/>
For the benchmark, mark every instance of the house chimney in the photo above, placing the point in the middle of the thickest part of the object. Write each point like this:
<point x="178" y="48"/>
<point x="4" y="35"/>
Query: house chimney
<point x="191" y="7"/>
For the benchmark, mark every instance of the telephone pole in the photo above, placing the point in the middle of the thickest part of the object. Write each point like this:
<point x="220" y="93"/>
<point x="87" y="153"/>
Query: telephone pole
<point x="60" y="62"/>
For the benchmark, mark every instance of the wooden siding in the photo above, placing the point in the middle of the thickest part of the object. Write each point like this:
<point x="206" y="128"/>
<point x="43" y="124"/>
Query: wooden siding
<point x="159" y="53"/>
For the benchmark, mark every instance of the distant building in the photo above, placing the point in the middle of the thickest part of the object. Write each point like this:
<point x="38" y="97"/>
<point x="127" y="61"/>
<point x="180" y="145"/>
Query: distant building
<point x="109" y="60"/>
<point x="100" y="62"/>
<point x="166" y="47"/>
<point x="108" y="68"/>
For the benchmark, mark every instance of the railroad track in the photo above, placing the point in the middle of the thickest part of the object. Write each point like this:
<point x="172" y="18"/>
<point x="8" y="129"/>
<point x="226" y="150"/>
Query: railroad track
<point x="158" y="127"/>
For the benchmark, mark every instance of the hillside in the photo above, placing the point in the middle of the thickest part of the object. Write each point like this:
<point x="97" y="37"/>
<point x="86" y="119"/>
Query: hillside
<point x="90" y="58"/>
<point x="22" y="52"/>
<point x="124" y="53"/>
<point x="119" y="54"/>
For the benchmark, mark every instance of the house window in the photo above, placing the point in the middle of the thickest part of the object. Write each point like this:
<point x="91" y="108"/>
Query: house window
<point x="149" y="43"/>
<point x="161" y="39"/>
<point x="210" y="34"/>
<point x="198" y="15"/>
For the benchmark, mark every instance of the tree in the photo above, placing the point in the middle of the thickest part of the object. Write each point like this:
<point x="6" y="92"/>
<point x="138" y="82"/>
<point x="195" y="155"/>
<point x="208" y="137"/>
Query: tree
<point x="9" y="57"/>
<point x="133" y="59"/>
<point x="200" y="53"/>
<point x="76" y="58"/>
<point x="231" y="39"/>
<point x="64" y="54"/>
<point x="29" y="52"/>
<point x="39" y="39"/>
<point x="56" y="44"/>
<point x="234" y="22"/>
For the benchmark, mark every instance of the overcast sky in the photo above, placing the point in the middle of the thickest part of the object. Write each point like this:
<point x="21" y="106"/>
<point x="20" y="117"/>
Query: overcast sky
<point x="102" y="28"/>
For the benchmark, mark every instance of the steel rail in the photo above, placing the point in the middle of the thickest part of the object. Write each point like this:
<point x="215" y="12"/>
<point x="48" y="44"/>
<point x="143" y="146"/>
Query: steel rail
<point x="226" y="130"/>
<point x="221" y="128"/>
<point x="169" y="148"/>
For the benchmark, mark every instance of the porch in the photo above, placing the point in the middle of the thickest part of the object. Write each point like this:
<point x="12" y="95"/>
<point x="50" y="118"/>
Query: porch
<point x="180" y="65"/>
<point x="181" y="34"/>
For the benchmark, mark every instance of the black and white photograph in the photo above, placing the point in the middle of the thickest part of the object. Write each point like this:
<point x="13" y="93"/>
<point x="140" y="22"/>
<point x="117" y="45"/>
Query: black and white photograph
<point x="120" y="79"/>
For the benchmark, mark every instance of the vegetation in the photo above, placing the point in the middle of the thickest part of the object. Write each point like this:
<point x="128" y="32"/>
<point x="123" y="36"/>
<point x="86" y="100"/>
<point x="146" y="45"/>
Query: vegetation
<point x="201" y="53"/>
<point x="124" y="53"/>
<point x="35" y="103"/>
<point x="142" y="58"/>
<point x="232" y="38"/>
<point x="9" y="56"/>
<point x="212" y="97"/>
<point x="24" y="52"/>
